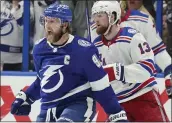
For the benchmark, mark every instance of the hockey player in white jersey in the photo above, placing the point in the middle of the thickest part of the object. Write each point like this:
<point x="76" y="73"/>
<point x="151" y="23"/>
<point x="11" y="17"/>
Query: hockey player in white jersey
<point x="144" y="24"/>
<point x="66" y="81"/>
<point x="129" y="62"/>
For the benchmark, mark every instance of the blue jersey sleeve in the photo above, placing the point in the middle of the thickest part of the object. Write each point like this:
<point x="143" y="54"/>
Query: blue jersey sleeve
<point x="34" y="89"/>
<point x="99" y="81"/>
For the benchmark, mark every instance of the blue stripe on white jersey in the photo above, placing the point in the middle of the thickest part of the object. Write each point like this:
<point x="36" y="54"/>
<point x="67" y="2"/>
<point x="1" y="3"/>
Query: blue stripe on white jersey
<point x="122" y="38"/>
<point x="159" y="48"/>
<point x="138" y="13"/>
<point x="168" y="70"/>
<point x="122" y="41"/>
<point x="137" y="19"/>
<point x="148" y="65"/>
<point x="138" y="16"/>
<point x="98" y="41"/>
<point x="99" y="44"/>
<point x="135" y="88"/>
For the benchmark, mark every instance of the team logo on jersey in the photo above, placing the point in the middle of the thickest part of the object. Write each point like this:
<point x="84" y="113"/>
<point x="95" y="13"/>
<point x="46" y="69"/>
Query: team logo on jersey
<point x="84" y="43"/>
<point x="6" y="27"/>
<point x="51" y="71"/>
<point x="133" y="31"/>
<point x="66" y="59"/>
<point x="96" y="60"/>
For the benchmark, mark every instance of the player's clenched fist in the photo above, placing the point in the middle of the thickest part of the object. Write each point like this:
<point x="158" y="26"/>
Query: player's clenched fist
<point x="22" y="104"/>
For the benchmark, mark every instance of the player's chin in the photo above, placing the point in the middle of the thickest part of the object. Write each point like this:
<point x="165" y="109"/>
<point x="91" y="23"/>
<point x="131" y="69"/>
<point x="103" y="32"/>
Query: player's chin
<point x="50" y="39"/>
<point x="100" y="31"/>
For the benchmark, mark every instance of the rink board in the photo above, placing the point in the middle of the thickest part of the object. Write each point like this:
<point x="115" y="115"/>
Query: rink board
<point x="12" y="82"/>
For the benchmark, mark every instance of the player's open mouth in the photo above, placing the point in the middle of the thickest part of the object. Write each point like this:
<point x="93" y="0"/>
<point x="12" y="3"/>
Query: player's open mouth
<point x="98" y="25"/>
<point x="49" y="32"/>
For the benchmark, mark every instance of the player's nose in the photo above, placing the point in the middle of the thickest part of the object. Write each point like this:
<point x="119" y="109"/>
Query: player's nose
<point x="96" y="20"/>
<point x="47" y="26"/>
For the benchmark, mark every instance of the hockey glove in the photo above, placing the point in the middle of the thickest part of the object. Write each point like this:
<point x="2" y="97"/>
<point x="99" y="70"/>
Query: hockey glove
<point x="119" y="117"/>
<point x="168" y="85"/>
<point x="115" y="71"/>
<point x="22" y="104"/>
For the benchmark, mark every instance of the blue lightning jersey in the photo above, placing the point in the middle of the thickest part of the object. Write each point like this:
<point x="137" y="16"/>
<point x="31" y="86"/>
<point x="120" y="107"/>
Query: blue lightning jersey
<point x="70" y="73"/>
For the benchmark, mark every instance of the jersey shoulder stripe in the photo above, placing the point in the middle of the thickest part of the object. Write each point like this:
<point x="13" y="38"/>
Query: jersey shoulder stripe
<point x="93" y="26"/>
<point x="98" y="41"/>
<point x="139" y="13"/>
<point x="127" y="33"/>
<point x="126" y="39"/>
<point x="138" y="16"/>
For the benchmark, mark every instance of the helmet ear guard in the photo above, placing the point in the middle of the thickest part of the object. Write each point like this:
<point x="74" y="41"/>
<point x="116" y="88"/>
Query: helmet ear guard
<point x="116" y="20"/>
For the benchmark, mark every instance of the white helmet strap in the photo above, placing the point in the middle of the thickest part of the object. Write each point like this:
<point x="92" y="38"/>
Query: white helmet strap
<point x="110" y="24"/>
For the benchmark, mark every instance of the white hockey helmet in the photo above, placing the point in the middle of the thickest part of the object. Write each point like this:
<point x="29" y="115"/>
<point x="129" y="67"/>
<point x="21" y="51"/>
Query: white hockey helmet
<point x="108" y="7"/>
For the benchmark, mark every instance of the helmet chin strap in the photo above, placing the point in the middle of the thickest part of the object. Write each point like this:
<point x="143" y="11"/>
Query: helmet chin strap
<point x="110" y="25"/>
<point x="107" y="31"/>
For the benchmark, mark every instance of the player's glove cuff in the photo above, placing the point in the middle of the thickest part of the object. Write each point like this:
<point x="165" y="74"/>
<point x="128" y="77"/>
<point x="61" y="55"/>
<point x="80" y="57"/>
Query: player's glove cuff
<point x="119" y="117"/>
<point x="115" y="71"/>
<point x="22" y="95"/>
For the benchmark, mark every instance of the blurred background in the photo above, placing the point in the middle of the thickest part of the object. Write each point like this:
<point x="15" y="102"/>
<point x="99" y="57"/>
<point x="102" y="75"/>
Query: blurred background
<point x="21" y="28"/>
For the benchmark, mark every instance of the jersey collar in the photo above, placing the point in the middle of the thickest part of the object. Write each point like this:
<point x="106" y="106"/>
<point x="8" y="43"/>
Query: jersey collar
<point x="71" y="37"/>
<point x="126" y="16"/>
<point x="108" y="43"/>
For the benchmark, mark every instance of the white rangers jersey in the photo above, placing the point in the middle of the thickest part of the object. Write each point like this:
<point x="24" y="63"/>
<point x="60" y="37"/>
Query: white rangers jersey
<point x="143" y="23"/>
<point x="134" y="69"/>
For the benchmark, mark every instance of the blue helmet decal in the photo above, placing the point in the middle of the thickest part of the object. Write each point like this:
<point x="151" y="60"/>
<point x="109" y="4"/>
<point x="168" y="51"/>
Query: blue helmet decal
<point x="60" y="11"/>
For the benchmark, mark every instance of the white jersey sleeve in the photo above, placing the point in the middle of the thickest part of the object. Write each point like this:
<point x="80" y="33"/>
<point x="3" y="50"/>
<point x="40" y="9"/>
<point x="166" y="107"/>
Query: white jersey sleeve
<point x="157" y="46"/>
<point x="142" y="67"/>
<point x="147" y="28"/>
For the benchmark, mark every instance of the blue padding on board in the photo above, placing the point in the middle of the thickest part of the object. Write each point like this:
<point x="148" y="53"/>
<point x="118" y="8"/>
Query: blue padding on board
<point x="26" y="36"/>
<point x="12" y="73"/>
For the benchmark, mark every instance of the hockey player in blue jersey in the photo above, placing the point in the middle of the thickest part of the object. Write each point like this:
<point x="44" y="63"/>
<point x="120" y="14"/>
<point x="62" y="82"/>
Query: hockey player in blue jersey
<point x="69" y="76"/>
